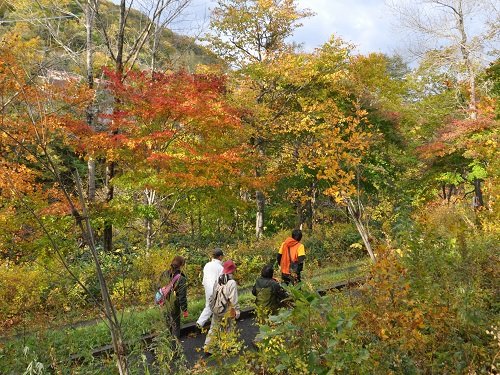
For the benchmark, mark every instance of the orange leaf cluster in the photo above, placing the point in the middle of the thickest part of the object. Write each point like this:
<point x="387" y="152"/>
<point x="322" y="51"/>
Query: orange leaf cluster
<point x="393" y="315"/>
<point x="456" y="135"/>
<point x="178" y="126"/>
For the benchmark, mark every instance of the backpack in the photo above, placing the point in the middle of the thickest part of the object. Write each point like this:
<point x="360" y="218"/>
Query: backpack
<point x="294" y="266"/>
<point x="218" y="301"/>
<point x="163" y="293"/>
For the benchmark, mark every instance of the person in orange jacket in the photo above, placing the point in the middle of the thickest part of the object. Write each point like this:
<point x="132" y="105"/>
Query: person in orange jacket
<point x="290" y="258"/>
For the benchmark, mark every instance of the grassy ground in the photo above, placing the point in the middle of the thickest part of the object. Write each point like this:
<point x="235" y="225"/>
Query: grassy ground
<point x="60" y="344"/>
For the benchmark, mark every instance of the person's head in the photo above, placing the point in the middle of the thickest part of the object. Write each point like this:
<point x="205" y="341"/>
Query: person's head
<point x="267" y="271"/>
<point x="297" y="234"/>
<point x="218" y="253"/>
<point x="228" y="267"/>
<point x="177" y="263"/>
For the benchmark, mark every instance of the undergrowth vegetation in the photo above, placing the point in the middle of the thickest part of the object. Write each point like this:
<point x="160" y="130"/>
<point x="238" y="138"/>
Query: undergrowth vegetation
<point x="34" y="295"/>
<point x="430" y="305"/>
<point x="68" y="347"/>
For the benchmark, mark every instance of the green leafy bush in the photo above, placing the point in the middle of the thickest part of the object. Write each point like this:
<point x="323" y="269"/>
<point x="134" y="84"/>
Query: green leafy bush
<point x="430" y="306"/>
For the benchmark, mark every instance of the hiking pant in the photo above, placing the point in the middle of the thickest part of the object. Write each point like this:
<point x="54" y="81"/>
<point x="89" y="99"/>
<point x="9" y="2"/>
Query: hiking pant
<point x="220" y="323"/>
<point x="173" y="321"/>
<point x="287" y="278"/>
<point x="206" y="313"/>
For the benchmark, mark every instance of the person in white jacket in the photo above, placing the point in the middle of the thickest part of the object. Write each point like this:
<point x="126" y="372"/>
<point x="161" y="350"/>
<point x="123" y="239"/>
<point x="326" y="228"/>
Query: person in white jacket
<point x="211" y="273"/>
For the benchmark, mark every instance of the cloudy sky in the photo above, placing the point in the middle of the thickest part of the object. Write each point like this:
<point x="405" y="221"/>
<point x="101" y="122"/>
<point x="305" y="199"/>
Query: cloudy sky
<point x="366" y="23"/>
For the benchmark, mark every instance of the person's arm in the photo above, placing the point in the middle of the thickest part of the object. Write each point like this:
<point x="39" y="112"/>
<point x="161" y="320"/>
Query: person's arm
<point x="301" y="255"/>
<point x="233" y="297"/>
<point x="182" y="293"/>
<point x="279" y="255"/>
<point x="279" y="292"/>
<point x="300" y="266"/>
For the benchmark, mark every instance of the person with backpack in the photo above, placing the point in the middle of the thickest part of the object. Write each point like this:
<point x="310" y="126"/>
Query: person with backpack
<point x="211" y="273"/>
<point x="269" y="294"/>
<point x="223" y="303"/>
<point x="290" y="258"/>
<point x="172" y="296"/>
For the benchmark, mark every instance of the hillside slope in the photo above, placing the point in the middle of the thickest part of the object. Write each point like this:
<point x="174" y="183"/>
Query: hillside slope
<point x="60" y="30"/>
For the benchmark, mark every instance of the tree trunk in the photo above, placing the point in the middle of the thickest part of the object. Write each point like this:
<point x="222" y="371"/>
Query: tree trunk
<point x="91" y="179"/>
<point x="120" y="42"/>
<point x="90" y="10"/>
<point x="260" y="198"/>
<point x="451" y="190"/>
<point x="310" y="206"/>
<point x="200" y="228"/>
<point x="191" y="216"/>
<point x="467" y="62"/>
<point x="110" y="166"/>
<point x="156" y="41"/>
<point x="89" y="25"/>
<point x="149" y="233"/>
<point x="356" y="217"/>
<point x="478" y="194"/>
<point x="108" y="226"/>
<point x="259" y="217"/>
<point x="150" y="201"/>
<point x="110" y="312"/>
<point x="298" y="214"/>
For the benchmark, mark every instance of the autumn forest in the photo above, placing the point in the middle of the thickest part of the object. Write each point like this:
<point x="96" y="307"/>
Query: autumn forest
<point x="124" y="144"/>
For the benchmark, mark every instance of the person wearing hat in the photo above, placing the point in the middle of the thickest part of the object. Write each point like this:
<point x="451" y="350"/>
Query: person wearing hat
<point x="227" y="287"/>
<point x="211" y="273"/>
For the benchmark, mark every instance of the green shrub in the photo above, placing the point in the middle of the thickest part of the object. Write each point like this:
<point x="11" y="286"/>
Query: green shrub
<point x="132" y="274"/>
<point x="311" y="338"/>
<point x="332" y="245"/>
<point x="431" y="306"/>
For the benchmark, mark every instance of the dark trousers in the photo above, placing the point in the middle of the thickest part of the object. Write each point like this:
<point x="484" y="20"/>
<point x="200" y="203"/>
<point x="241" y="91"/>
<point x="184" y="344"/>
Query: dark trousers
<point x="293" y="279"/>
<point x="173" y="320"/>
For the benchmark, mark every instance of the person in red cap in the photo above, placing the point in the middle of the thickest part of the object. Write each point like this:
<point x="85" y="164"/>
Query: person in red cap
<point x="226" y="308"/>
<point x="290" y="258"/>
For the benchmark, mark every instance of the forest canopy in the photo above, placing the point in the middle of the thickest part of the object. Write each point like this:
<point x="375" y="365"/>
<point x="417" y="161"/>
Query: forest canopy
<point x="123" y="144"/>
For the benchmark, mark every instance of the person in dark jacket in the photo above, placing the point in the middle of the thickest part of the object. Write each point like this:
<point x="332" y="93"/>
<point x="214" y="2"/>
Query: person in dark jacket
<point x="268" y="292"/>
<point x="177" y="299"/>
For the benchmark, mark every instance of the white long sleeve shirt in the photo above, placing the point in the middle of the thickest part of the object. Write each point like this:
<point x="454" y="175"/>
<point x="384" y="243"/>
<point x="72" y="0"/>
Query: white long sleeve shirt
<point x="211" y="273"/>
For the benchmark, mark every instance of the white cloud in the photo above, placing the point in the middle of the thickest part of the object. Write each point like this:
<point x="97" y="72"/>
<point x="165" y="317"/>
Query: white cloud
<point x="365" y="23"/>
